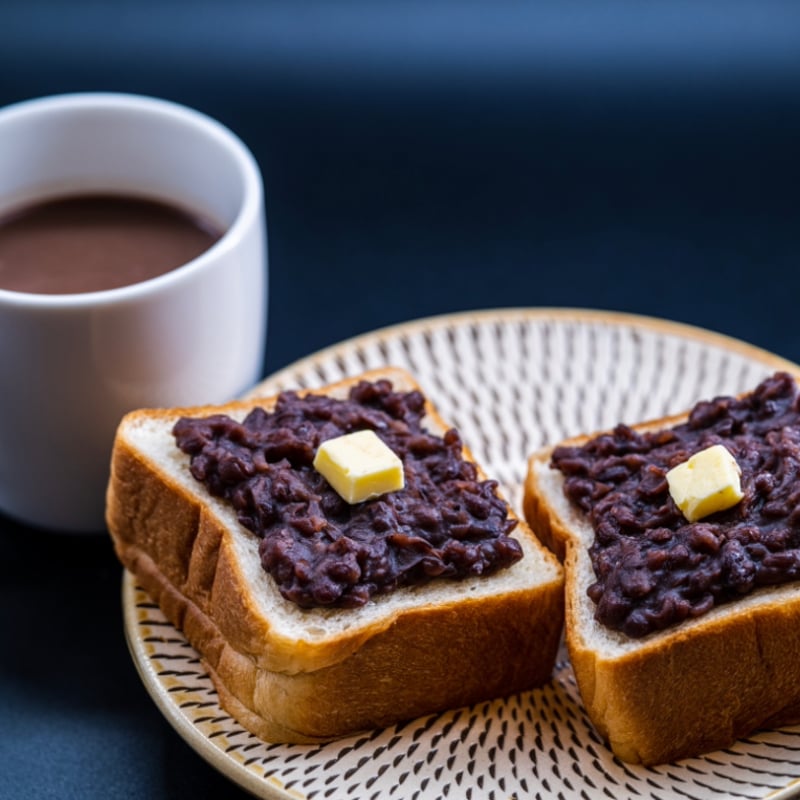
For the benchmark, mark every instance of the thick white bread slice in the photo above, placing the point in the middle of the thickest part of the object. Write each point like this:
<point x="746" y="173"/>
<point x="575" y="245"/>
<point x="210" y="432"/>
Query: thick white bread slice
<point x="296" y="675"/>
<point x="687" y="690"/>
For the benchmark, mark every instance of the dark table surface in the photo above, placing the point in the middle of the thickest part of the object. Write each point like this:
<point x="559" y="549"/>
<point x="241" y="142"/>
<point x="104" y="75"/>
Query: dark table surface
<point x="417" y="161"/>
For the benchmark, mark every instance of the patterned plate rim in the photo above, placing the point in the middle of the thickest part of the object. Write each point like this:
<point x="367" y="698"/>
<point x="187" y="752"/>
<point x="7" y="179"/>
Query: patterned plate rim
<point x="159" y="687"/>
<point x="278" y="379"/>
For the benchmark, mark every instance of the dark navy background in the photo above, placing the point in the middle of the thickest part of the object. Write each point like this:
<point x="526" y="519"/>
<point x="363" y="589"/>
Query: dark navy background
<point x="419" y="158"/>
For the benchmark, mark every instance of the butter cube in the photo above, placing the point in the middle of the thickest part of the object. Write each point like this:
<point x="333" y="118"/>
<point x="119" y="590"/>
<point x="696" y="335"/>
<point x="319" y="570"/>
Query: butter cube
<point x="359" y="466"/>
<point x="709" y="481"/>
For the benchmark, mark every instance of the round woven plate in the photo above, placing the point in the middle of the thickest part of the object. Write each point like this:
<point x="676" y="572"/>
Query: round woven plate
<point x="511" y="381"/>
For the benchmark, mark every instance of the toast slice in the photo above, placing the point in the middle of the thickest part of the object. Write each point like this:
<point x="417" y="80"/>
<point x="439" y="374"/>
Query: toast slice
<point x="682" y="691"/>
<point x="292" y="674"/>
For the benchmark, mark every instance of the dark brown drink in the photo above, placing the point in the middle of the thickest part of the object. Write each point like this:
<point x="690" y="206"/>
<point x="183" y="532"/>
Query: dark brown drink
<point x="88" y="243"/>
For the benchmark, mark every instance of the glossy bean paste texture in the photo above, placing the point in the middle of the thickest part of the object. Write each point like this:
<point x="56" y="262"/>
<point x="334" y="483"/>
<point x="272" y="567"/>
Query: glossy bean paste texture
<point x="654" y="569"/>
<point x="320" y="550"/>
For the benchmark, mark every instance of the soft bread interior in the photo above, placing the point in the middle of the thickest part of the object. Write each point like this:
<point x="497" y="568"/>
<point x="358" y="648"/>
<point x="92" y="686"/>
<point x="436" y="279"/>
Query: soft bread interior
<point x="684" y="691"/>
<point x="605" y="642"/>
<point x="153" y="438"/>
<point x="307" y="639"/>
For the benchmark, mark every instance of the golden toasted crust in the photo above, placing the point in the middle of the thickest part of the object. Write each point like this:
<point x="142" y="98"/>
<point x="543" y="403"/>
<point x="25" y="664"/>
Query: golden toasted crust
<point x="429" y="660"/>
<point x="697" y="691"/>
<point x="428" y="654"/>
<point x="678" y="693"/>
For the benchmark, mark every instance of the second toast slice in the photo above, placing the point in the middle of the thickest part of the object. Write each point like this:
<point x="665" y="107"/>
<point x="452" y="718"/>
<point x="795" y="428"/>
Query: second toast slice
<point x="698" y="684"/>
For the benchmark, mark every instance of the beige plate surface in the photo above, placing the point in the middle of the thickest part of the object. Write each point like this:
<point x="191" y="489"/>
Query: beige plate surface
<point x="511" y="381"/>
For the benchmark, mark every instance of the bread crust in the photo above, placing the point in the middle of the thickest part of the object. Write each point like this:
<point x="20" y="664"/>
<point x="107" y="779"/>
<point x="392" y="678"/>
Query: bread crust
<point x="423" y="655"/>
<point x="678" y="693"/>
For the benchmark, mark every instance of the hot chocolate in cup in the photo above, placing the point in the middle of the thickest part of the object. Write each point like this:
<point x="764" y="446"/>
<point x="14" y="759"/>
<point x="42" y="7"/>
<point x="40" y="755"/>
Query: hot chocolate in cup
<point x="75" y="356"/>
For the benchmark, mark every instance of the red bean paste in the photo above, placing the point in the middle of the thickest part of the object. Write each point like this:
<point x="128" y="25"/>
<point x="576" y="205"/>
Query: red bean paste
<point x="322" y="551"/>
<point x="654" y="569"/>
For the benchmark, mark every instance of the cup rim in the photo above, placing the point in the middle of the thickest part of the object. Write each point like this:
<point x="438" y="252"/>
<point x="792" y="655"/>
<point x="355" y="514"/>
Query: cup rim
<point x="249" y="209"/>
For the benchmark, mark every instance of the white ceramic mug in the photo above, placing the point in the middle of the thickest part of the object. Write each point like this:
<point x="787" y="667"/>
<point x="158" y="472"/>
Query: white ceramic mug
<point x="72" y="364"/>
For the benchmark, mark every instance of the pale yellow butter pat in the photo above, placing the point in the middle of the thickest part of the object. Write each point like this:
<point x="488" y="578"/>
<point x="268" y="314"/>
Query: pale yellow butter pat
<point x="359" y="466"/>
<point x="709" y="481"/>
